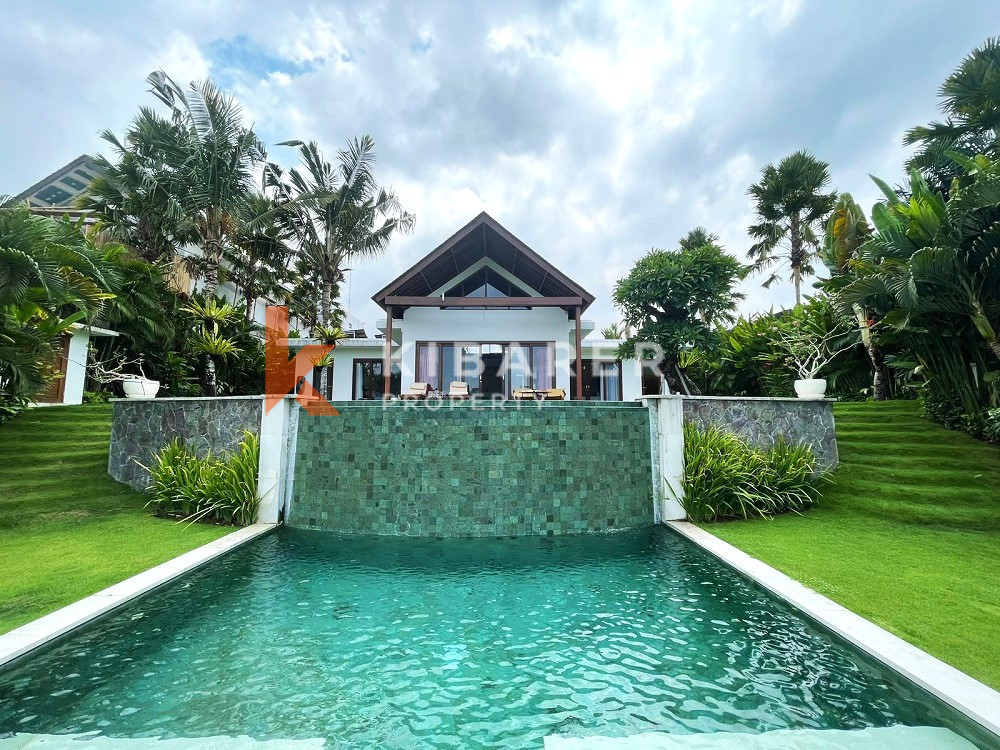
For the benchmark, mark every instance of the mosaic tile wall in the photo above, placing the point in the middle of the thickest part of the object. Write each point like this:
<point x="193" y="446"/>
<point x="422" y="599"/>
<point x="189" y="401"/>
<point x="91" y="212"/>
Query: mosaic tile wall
<point x="141" y="429"/>
<point x="554" y="468"/>
<point x="761" y="420"/>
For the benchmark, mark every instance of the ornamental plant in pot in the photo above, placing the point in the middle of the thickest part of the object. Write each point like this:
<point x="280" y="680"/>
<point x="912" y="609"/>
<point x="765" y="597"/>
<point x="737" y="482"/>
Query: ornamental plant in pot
<point x="135" y="386"/>
<point x="810" y="348"/>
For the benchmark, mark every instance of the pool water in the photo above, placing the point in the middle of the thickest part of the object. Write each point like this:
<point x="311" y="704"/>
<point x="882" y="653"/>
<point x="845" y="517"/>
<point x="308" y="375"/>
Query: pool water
<point x="461" y="643"/>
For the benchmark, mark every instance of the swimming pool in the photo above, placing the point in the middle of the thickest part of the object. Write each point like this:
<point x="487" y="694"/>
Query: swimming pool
<point x="413" y="643"/>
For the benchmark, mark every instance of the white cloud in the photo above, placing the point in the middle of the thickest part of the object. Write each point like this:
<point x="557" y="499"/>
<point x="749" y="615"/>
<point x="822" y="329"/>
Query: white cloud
<point x="594" y="132"/>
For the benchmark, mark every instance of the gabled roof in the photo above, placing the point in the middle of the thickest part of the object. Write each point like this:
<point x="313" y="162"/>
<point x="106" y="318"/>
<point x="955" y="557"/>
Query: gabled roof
<point x="61" y="188"/>
<point x="483" y="237"/>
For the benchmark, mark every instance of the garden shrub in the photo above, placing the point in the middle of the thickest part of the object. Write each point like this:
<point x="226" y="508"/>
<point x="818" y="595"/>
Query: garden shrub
<point x="991" y="426"/>
<point x="221" y="488"/>
<point x="726" y="477"/>
<point x="11" y="404"/>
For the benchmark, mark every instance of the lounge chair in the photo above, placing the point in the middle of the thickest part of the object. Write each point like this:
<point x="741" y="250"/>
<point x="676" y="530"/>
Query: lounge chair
<point x="458" y="390"/>
<point x="416" y="391"/>
<point x="523" y="394"/>
<point x="555" y="394"/>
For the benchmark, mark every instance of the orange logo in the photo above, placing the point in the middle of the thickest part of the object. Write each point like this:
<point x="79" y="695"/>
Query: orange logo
<point x="283" y="374"/>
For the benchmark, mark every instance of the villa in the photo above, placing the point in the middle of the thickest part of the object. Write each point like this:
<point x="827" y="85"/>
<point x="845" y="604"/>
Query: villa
<point x="484" y="309"/>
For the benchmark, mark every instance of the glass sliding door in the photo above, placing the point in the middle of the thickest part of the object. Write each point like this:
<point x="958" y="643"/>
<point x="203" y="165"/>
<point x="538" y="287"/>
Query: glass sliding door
<point x="489" y="369"/>
<point x="369" y="381"/>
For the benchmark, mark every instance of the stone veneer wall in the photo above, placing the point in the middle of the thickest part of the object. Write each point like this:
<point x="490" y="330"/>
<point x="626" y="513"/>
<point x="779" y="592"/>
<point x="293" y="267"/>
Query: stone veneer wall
<point x="761" y="420"/>
<point x="407" y="469"/>
<point x="141" y="429"/>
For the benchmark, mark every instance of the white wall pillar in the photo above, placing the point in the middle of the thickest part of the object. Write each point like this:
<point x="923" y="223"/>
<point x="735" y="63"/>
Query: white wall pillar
<point x="666" y="435"/>
<point x="273" y="459"/>
<point x="76" y="367"/>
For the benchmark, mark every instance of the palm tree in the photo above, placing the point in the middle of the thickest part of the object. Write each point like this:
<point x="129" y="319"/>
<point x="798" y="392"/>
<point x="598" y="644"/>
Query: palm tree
<point x="970" y="103"/>
<point x="260" y="252"/>
<point x="931" y="271"/>
<point x="791" y="206"/>
<point x="186" y="178"/>
<point x="614" y="331"/>
<point x="697" y="237"/>
<point x="846" y="232"/>
<point x="345" y="214"/>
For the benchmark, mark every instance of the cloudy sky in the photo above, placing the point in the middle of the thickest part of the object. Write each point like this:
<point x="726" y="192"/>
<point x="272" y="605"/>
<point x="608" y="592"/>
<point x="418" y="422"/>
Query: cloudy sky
<point x="593" y="131"/>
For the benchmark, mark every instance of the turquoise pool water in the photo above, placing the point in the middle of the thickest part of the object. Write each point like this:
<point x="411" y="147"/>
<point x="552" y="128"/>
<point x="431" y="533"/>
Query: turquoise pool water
<point x="463" y="643"/>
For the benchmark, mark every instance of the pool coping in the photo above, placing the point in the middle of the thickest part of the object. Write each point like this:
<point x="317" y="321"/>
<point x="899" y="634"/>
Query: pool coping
<point x="965" y="694"/>
<point x="37" y="633"/>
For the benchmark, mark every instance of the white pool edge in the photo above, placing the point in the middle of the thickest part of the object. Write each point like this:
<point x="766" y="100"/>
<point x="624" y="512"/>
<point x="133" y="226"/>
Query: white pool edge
<point x="37" y="633"/>
<point x="977" y="701"/>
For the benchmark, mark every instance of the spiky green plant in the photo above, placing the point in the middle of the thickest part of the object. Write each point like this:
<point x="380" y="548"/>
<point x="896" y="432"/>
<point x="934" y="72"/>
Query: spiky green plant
<point x="726" y="477"/>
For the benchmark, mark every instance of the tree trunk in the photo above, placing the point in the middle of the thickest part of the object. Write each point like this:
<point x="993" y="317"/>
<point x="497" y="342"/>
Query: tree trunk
<point x="880" y="381"/>
<point x="326" y="303"/>
<point x="324" y="380"/>
<point x="251" y="302"/>
<point x="795" y="258"/>
<point x="672" y="374"/>
<point x="208" y="384"/>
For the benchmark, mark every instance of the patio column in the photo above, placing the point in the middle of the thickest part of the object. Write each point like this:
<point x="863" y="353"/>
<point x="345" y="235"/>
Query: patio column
<point x="579" y="355"/>
<point x="387" y="358"/>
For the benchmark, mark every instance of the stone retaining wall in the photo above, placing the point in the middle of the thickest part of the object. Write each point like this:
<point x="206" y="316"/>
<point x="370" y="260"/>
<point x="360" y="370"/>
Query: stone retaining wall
<point x="141" y="429"/>
<point x="761" y="420"/>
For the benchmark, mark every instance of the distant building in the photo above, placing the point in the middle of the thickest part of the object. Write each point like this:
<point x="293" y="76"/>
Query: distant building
<point x="56" y="194"/>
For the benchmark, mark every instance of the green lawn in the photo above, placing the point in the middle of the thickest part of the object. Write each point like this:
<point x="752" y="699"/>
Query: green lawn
<point x="67" y="529"/>
<point x="909" y="536"/>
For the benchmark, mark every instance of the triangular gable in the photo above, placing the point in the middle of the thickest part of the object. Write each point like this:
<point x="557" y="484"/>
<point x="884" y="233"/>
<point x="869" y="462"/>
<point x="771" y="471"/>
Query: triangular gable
<point x="61" y="188"/>
<point x="483" y="238"/>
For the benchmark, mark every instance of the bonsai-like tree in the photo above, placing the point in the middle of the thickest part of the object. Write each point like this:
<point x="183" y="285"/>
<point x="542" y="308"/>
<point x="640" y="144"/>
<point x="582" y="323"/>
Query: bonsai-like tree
<point x="672" y="298"/>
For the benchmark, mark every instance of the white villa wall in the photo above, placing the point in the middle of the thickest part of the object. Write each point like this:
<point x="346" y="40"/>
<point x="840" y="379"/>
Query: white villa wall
<point x="343" y="364"/>
<point x="435" y="325"/>
<point x="76" y="367"/>
<point x="536" y="324"/>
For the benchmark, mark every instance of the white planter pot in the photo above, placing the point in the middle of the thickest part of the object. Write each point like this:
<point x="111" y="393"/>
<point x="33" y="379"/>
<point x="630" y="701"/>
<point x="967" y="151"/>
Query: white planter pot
<point x="811" y="389"/>
<point x="140" y="388"/>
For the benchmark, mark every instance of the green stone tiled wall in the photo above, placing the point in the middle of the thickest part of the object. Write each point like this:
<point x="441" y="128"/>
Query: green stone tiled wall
<point x="557" y="468"/>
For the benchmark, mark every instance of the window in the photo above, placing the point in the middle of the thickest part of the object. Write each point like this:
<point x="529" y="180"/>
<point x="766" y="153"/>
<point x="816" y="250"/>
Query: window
<point x="488" y="283"/>
<point x="369" y="382"/>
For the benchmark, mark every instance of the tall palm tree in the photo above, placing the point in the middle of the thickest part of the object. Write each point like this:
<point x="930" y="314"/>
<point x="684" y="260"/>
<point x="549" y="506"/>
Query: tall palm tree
<point x="259" y="254"/>
<point x="971" y="106"/>
<point x="184" y="178"/>
<point x="345" y="214"/>
<point x="791" y="206"/>
<point x="846" y="233"/>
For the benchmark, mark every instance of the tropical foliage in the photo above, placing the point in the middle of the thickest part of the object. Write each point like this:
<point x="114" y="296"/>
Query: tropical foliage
<point x="344" y="216"/>
<point x="672" y="298"/>
<point x="221" y="488"/>
<point x="726" y="477"/>
<point x="51" y="278"/>
<point x="791" y="207"/>
<point x="931" y="273"/>
<point x="970" y="100"/>
<point x="184" y="178"/>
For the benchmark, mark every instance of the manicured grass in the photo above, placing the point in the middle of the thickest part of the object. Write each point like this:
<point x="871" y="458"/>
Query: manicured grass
<point x="908" y="537"/>
<point x="67" y="529"/>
